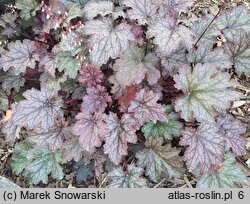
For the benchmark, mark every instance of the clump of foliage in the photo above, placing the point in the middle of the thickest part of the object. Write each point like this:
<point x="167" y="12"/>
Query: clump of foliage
<point x="123" y="89"/>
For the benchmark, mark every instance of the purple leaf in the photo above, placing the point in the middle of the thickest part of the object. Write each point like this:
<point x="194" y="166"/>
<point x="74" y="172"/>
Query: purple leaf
<point x="19" y="56"/>
<point x="146" y="108"/>
<point x="53" y="139"/>
<point x="205" y="147"/>
<point x="133" y="67"/>
<point x="96" y="99"/>
<point x="177" y="5"/>
<point x="168" y="36"/>
<point x="11" y="132"/>
<point x="142" y="10"/>
<point x="90" y="75"/>
<point x="173" y="61"/>
<point x="72" y="149"/>
<point x="90" y="128"/>
<point x="107" y="41"/>
<point x="49" y="63"/>
<point x="233" y="130"/>
<point x="120" y="132"/>
<point x="40" y="109"/>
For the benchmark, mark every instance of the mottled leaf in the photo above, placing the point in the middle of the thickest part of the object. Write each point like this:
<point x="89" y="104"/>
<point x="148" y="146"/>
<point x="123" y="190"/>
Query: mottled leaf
<point x="234" y="19"/>
<point x="133" y="67"/>
<point x="107" y="41"/>
<point x="168" y="36"/>
<point x="199" y="26"/>
<point x="90" y="128"/>
<point x="49" y="63"/>
<point x="8" y="18"/>
<point x="120" y="132"/>
<point x="238" y="47"/>
<point x="9" y="32"/>
<point x="233" y="130"/>
<point x="90" y="75"/>
<point x="230" y="175"/>
<point x="159" y="159"/>
<point x="11" y="132"/>
<point x="7" y="21"/>
<point x="69" y="85"/>
<point x="78" y="2"/>
<point x="205" y="147"/>
<point x="20" y="55"/>
<point x="72" y="149"/>
<point x="96" y="99"/>
<point x="68" y="64"/>
<point x="206" y="54"/>
<point x="53" y="139"/>
<point x="11" y="80"/>
<point x="168" y="129"/>
<point x="78" y="92"/>
<point x="36" y="163"/>
<point x="51" y="83"/>
<point x="173" y="61"/>
<point x="28" y="8"/>
<point x="146" y="108"/>
<point x="71" y="43"/>
<point x="92" y="9"/>
<point x="177" y="5"/>
<point x="132" y="178"/>
<point x="40" y="109"/>
<point x="19" y="158"/>
<point x="142" y="10"/>
<point x="74" y="12"/>
<point x="207" y="92"/>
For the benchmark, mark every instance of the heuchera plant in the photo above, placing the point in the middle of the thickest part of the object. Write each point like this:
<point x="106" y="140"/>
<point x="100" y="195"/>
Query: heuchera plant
<point x="123" y="90"/>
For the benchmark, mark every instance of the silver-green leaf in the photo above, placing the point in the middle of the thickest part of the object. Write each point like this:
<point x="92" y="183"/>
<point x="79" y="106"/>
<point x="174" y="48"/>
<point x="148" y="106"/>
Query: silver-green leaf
<point x="36" y="163"/>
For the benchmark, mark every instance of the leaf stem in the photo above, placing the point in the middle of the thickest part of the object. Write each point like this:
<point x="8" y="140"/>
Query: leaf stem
<point x="23" y="34"/>
<point x="68" y="109"/>
<point x="203" y="33"/>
